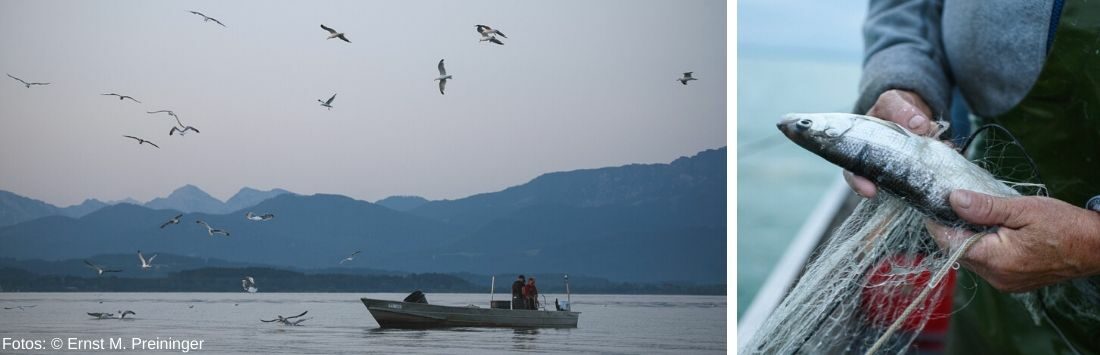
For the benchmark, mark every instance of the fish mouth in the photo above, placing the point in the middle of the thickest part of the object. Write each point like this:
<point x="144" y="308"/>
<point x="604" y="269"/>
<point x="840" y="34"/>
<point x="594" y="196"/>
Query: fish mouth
<point x="788" y="125"/>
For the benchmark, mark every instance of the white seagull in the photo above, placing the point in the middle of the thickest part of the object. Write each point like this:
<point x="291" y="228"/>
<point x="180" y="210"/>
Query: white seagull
<point x="486" y="31"/>
<point x="182" y="131"/>
<point x="100" y="269"/>
<point x="327" y="103"/>
<point x="253" y="217"/>
<point x="687" y="77"/>
<point x="146" y="264"/>
<point x="442" y="77"/>
<point x="334" y="34"/>
<point x="122" y="97"/>
<point x="170" y="113"/>
<point x="211" y="230"/>
<point x="249" y="285"/>
<point x="174" y="220"/>
<point x="142" y="141"/>
<point x="207" y="18"/>
<point x="350" y="257"/>
<point x="491" y="39"/>
<point x="26" y="83"/>
<point x="286" y="320"/>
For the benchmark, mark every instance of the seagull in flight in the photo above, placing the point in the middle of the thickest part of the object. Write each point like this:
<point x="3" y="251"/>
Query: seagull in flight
<point x="687" y="77"/>
<point x="125" y="313"/>
<point x="26" y="83"/>
<point x="142" y="141"/>
<point x="350" y="257"/>
<point x="334" y="34"/>
<point x="211" y="230"/>
<point x="486" y="31"/>
<point x="249" y="285"/>
<point x="287" y="320"/>
<point x="182" y="131"/>
<point x="170" y="113"/>
<point x="21" y="308"/>
<point x="122" y="97"/>
<point x="442" y="77"/>
<point x="100" y="269"/>
<point x="327" y="103"/>
<point x="174" y="220"/>
<point x="207" y="18"/>
<point x="146" y="264"/>
<point x="253" y="217"/>
<point x="491" y="39"/>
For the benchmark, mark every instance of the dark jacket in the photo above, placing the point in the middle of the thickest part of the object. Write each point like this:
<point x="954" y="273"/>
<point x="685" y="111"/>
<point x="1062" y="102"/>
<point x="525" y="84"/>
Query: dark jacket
<point x="517" y="289"/>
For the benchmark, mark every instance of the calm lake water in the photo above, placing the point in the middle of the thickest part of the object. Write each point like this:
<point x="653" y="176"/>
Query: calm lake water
<point x="229" y="323"/>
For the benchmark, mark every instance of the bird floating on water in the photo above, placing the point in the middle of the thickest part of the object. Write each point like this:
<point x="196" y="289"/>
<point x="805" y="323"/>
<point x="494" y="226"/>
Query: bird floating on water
<point x="174" y="220"/>
<point x="146" y="264"/>
<point x="207" y="18"/>
<point x="687" y="77"/>
<point x="287" y="320"/>
<point x="101" y="315"/>
<point x="327" y="103"/>
<point x="182" y="131"/>
<point x="100" y="269"/>
<point x="143" y="141"/>
<point x="442" y="77"/>
<point x="249" y="284"/>
<point x="264" y="217"/>
<point x="211" y="230"/>
<point x="334" y="34"/>
<point x="21" y="308"/>
<point x="26" y="83"/>
<point x="122" y="97"/>
<point x="350" y="257"/>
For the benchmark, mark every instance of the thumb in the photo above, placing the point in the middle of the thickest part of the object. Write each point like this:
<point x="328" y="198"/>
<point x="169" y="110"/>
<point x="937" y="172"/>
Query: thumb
<point x="986" y="210"/>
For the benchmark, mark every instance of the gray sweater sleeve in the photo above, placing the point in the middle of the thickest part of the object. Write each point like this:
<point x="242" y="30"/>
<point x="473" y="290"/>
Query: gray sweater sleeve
<point x="903" y="50"/>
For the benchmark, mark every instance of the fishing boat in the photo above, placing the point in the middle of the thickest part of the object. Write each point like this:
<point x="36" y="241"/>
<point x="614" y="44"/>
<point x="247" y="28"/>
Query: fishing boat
<point x="415" y="312"/>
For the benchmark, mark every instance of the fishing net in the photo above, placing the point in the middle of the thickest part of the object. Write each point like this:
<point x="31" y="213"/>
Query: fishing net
<point x="878" y="280"/>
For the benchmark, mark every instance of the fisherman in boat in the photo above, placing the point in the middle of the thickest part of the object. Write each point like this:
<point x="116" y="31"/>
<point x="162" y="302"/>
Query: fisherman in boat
<point x="531" y="294"/>
<point x="518" y="302"/>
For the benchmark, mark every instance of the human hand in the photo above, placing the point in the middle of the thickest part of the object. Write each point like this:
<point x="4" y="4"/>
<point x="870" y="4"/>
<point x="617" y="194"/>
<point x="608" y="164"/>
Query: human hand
<point x="1040" y="240"/>
<point x="905" y="108"/>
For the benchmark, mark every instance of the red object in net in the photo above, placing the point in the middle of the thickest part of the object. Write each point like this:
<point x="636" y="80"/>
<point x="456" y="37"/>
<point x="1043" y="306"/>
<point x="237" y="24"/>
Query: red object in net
<point x="893" y="285"/>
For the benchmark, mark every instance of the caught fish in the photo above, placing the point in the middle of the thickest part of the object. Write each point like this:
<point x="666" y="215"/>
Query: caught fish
<point x="920" y="170"/>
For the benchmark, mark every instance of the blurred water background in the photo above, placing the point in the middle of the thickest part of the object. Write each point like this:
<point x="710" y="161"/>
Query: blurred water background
<point x="793" y="56"/>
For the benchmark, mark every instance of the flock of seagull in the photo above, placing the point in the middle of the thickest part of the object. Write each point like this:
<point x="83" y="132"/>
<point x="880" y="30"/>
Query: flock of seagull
<point x="248" y="283"/>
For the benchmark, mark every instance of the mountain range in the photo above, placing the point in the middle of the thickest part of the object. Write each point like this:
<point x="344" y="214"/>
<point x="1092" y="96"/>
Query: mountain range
<point x="188" y="198"/>
<point x="632" y="223"/>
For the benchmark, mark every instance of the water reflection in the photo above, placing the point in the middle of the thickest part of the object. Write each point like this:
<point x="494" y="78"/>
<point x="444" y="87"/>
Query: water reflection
<point x="524" y="339"/>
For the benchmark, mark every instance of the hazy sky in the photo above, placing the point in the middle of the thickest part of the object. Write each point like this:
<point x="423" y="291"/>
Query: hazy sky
<point x="578" y="84"/>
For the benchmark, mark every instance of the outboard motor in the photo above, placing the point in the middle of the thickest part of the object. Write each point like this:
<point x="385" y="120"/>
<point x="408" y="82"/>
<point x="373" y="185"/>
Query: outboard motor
<point x="416" y="297"/>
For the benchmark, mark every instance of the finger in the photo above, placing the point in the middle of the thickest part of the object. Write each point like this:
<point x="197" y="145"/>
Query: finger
<point x="986" y="210"/>
<point x="905" y="109"/>
<point x="862" y="186"/>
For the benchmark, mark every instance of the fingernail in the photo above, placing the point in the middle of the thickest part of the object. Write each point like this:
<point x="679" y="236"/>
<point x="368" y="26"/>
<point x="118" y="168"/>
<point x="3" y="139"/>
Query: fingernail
<point x="961" y="198"/>
<point x="916" y="121"/>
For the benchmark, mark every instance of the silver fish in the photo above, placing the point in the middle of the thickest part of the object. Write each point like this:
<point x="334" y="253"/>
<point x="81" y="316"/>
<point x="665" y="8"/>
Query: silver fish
<point x="920" y="170"/>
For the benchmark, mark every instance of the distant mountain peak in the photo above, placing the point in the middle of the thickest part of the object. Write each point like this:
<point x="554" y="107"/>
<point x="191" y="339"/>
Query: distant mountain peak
<point x="402" y="202"/>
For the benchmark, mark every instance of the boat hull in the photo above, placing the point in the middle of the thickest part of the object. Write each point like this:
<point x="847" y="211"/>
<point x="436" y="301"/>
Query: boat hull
<point x="396" y="314"/>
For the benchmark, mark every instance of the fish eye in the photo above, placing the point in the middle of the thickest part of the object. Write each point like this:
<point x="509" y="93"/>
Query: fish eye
<point x="804" y="123"/>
